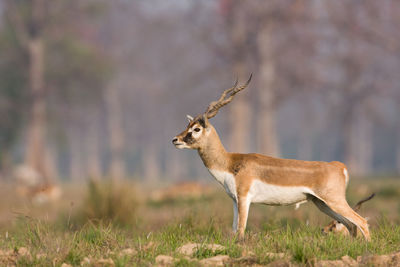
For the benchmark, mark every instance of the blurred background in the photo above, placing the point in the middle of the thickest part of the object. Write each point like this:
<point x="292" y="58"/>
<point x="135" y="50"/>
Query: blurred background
<point x="95" y="90"/>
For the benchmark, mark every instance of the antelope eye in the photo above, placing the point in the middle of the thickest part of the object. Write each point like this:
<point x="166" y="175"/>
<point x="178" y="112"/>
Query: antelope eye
<point x="197" y="129"/>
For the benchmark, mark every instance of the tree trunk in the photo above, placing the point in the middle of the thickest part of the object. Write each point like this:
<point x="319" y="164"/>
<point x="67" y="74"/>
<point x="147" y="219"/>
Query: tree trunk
<point x="305" y="142"/>
<point x="348" y="146"/>
<point x="398" y="145"/>
<point x="93" y="153"/>
<point x="76" y="158"/>
<point x="116" y="133"/>
<point x="358" y="144"/>
<point x="268" y="142"/>
<point x="150" y="164"/>
<point x="6" y="166"/>
<point x="364" y="150"/>
<point x="239" y="109"/>
<point x="35" y="151"/>
<point x="240" y="117"/>
<point x="304" y="151"/>
<point x="174" y="166"/>
<point x="51" y="163"/>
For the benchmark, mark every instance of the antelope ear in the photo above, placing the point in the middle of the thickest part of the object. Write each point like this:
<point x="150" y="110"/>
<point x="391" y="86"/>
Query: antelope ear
<point x="190" y="118"/>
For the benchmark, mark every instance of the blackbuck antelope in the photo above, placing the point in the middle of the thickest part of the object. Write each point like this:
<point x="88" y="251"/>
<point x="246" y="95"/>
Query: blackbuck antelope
<point x="255" y="178"/>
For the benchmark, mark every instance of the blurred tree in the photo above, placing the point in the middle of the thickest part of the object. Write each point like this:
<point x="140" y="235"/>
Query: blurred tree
<point x="354" y="28"/>
<point x="398" y="141"/>
<point x="112" y="93"/>
<point x="125" y="72"/>
<point x="13" y="94"/>
<point x="60" y="62"/>
<point x="261" y="35"/>
<point x="94" y="168"/>
<point x="77" y="70"/>
<point x="236" y="15"/>
<point x="268" y="141"/>
<point x="116" y="132"/>
<point x="27" y="18"/>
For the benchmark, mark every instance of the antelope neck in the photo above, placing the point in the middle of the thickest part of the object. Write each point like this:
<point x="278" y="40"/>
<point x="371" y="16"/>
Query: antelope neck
<point x="213" y="154"/>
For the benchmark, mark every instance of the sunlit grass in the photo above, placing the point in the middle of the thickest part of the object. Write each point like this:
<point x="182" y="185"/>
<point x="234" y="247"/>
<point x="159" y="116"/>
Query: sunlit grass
<point x="301" y="244"/>
<point x="93" y="231"/>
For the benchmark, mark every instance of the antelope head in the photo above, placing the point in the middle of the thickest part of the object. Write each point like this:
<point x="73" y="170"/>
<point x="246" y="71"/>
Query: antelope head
<point x="199" y="129"/>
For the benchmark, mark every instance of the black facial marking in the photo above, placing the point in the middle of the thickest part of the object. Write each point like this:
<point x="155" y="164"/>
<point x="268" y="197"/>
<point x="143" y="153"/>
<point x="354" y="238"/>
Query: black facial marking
<point x="188" y="139"/>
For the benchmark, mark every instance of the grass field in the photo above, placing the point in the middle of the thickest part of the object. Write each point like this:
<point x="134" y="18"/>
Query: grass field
<point x="117" y="225"/>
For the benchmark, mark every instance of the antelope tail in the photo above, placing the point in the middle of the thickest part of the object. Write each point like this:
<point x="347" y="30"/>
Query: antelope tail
<point x="359" y="203"/>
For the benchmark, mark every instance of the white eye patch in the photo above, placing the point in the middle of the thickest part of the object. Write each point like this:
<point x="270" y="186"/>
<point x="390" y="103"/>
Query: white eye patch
<point x="196" y="131"/>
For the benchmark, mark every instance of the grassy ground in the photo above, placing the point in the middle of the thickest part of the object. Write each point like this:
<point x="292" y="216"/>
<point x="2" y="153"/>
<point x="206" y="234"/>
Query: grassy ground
<point x="62" y="233"/>
<point x="303" y="244"/>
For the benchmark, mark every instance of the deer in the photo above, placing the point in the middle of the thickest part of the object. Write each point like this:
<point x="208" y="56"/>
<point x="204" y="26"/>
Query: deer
<point x="30" y="185"/>
<point x="256" y="178"/>
<point x="337" y="227"/>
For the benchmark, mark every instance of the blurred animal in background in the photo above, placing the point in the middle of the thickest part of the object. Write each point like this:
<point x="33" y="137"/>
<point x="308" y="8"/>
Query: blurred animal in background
<point x="179" y="191"/>
<point x="27" y="176"/>
<point x="30" y="185"/>
<point x="337" y="227"/>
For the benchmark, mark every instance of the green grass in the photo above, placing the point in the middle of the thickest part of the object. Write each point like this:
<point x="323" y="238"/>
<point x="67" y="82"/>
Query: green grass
<point x="110" y="218"/>
<point x="303" y="243"/>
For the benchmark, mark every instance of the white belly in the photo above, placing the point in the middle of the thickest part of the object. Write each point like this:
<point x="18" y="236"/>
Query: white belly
<point x="269" y="194"/>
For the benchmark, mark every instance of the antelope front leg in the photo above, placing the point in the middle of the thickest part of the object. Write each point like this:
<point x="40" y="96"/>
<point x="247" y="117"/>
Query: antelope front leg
<point x="244" y="205"/>
<point x="235" y="216"/>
